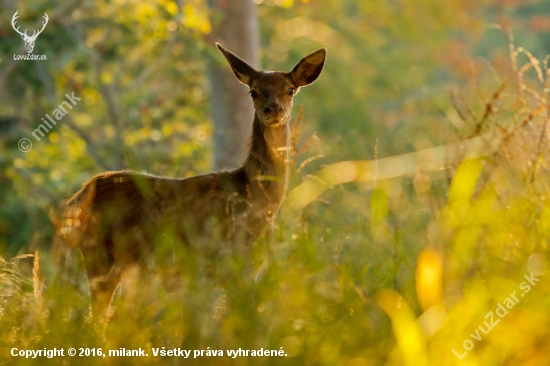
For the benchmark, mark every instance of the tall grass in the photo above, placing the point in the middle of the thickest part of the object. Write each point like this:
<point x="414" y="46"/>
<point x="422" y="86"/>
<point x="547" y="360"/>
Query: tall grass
<point x="379" y="271"/>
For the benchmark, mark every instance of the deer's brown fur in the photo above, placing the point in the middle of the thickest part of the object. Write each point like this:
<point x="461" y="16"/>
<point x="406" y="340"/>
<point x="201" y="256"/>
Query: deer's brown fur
<point x="115" y="215"/>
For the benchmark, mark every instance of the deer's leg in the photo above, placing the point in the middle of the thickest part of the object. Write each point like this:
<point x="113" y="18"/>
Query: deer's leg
<point x="102" y="289"/>
<point x="103" y="277"/>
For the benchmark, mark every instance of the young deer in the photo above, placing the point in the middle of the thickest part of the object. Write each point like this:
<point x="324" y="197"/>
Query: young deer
<point x="115" y="215"/>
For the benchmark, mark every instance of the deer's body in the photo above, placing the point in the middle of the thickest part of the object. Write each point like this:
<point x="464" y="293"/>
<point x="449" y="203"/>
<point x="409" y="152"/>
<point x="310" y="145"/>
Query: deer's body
<point x="116" y="215"/>
<point x="242" y="200"/>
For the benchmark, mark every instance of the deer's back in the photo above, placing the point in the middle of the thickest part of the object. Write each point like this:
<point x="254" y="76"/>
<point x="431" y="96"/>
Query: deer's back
<point x="134" y="207"/>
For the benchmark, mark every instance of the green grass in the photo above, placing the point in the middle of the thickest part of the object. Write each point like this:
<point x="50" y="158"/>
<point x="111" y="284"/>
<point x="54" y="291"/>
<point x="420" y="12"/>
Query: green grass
<point x="398" y="271"/>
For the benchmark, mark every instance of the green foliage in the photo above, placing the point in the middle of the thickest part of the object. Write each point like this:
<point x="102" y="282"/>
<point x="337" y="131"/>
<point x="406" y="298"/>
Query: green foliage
<point x="396" y="271"/>
<point x="140" y="83"/>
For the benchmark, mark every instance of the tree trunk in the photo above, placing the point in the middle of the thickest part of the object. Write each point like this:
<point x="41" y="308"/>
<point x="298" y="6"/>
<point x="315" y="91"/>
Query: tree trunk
<point x="232" y="108"/>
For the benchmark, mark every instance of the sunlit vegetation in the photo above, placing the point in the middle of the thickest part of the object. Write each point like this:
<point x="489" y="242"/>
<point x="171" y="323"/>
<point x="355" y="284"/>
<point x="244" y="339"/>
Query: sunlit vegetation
<point x="418" y="203"/>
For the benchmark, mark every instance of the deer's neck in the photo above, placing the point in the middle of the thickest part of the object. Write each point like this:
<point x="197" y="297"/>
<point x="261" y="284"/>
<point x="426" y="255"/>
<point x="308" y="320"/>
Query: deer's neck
<point x="267" y="162"/>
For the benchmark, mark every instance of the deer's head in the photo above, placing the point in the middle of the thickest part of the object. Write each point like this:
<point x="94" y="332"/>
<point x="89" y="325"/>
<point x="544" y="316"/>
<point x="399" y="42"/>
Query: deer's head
<point x="29" y="40"/>
<point x="272" y="91"/>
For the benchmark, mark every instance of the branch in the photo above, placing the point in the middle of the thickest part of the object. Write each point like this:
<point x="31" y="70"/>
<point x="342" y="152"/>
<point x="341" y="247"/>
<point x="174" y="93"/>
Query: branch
<point x="436" y="158"/>
<point x="89" y="143"/>
<point x="154" y="66"/>
<point x="50" y="93"/>
<point x="106" y="92"/>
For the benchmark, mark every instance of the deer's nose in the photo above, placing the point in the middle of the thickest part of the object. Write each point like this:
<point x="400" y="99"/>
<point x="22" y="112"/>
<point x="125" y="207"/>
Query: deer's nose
<point x="273" y="107"/>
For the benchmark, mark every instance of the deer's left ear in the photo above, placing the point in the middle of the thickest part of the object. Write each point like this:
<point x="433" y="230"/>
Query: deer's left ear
<point x="243" y="71"/>
<point x="309" y="69"/>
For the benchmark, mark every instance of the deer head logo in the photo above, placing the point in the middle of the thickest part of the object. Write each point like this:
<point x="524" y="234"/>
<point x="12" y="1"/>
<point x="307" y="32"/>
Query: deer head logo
<point x="29" y="40"/>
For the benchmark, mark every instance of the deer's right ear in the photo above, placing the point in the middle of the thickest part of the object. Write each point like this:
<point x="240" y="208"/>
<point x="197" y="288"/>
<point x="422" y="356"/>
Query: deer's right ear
<point x="243" y="71"/>
<point x="309" y="68"/>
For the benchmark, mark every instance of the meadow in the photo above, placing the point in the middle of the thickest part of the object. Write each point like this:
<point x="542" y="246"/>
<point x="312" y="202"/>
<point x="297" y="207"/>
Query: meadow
<point x="433" y="252"/>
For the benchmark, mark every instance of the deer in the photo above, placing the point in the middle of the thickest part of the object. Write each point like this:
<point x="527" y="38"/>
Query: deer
<point x="115" y="214"/>
<point x="29" y="40"/>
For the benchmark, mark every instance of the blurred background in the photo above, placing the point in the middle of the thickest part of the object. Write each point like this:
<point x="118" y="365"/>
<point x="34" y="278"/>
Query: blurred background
<point x="401" y="76"/>
<point x="142" y="71"/>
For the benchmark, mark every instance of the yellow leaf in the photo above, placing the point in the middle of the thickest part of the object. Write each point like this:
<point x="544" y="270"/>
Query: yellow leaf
<point x="172" y="8"/>
<point x="428" y="278"/>
<point x="465" y="180"/>
<point x="410" y="340"/>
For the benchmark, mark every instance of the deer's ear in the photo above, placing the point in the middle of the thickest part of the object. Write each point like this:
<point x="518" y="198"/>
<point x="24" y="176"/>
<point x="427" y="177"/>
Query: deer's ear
<point x="309" y="69"/>
<point x="243" y="71"/>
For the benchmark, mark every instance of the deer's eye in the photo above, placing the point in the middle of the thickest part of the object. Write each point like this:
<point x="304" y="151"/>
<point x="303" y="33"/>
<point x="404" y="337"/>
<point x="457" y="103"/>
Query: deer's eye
<point x="253" y="94"/>
<point x="291" y="91"/>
